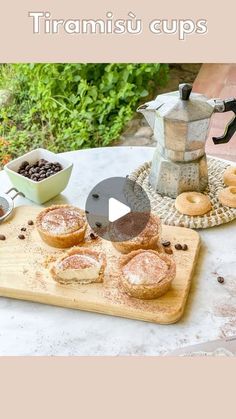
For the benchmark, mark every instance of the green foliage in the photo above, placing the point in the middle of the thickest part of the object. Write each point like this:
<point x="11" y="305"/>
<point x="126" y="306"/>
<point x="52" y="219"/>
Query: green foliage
<point x="70" y="106"/>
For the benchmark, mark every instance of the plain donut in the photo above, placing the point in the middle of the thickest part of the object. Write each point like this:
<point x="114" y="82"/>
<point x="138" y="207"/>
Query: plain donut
<point x="193" y="203"/>
<point x="227" y="196"/>
<point x="230" y="176"/>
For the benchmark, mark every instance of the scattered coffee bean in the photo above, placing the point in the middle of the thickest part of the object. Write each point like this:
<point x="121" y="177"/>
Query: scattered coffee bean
<point x="166" y="243"/>
<point x="23" y="229"/>
<point x="93" y="236"/>
<point x="30" y="223"/>
<point x="220" y="279"/>
<point x="168" y="250"/>
<point x="178" y="246"/>
<point x="86" y="212"/>
<point x="21" y="237"/>
<point x="39" y="170"/>
<point x="98" y="224"/>
<point x="185" y="247"/>
<point x="95" y="195"/>
<point x="2" y="237"/>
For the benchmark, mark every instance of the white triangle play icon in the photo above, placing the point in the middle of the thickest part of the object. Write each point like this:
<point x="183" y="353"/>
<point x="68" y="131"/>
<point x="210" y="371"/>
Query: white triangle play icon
<point x="117" y="210"/>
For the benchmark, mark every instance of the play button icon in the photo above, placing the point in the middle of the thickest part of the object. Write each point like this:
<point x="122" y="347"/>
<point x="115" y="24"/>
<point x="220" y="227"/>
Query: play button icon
<point x="117" y="209"/>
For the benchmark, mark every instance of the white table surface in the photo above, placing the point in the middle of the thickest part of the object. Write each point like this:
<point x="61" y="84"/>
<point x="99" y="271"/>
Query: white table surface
<point x="34" y="329"/>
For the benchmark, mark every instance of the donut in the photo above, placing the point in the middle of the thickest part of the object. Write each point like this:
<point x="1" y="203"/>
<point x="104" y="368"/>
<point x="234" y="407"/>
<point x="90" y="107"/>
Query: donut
<point x="193" y="203"/>
<point x="227" y="196"/>
<point x="230" y="176"/>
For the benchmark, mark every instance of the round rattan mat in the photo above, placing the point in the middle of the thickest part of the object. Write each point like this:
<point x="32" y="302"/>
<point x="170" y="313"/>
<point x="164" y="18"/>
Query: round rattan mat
<point x="165" y="206"/>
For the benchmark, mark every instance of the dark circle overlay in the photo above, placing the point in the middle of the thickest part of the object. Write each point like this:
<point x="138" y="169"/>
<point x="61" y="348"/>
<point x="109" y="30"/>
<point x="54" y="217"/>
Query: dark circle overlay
<point x="129" y="193"/>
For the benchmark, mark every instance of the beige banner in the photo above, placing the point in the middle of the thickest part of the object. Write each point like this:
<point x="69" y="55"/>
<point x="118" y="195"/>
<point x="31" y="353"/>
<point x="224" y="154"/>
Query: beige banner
<point x="127" y="388"/>
<point x="19" y="44"/>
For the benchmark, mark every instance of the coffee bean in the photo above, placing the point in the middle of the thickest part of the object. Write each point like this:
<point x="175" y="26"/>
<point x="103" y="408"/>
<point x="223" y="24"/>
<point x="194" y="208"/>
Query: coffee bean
<point x="2" y="237"/>
<point x="185" y="247"/>
<point x="98" y="224"/>
<point x="168" y="250"/>
<point x="95" y="195"/>
<point x="178" y="246"/>
<point x="30" y="223"/>
<point x="220" y="279"/>
<point x="21" y="237"/>
<point x="23" y="165"/>
<point x="23" y="229"/>
<point x="86" y="212"/>
<point x="93" y="236"/>
<point x="166" y="243"/>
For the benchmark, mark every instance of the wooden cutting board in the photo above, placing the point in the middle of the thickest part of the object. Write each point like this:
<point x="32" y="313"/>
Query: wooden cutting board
<point x="24" y="274"/>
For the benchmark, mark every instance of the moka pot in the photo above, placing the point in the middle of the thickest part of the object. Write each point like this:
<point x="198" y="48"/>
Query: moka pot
<point x="180" y="121"/>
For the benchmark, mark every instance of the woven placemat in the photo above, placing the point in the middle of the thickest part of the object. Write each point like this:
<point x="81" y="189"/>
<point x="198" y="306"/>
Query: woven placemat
<point x="165" y="206"/>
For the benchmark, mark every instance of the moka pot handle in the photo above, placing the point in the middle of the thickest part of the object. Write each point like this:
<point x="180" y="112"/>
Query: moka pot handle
<point x="226" y="106"/>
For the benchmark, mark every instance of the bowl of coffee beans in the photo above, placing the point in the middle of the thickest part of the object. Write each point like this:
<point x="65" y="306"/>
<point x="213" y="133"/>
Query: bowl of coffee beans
<point x="40" y="174"/>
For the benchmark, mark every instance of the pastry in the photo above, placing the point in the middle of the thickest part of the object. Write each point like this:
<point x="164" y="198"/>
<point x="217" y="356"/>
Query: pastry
<point x="62" y="225"/>
<point x="193" y="203"/>
<point x="79" y="265"/>
<point x="230" y="176"/>
<point x="149" y="238"/>
<point x="146" y="274"/>
<point x="227" y="196"/>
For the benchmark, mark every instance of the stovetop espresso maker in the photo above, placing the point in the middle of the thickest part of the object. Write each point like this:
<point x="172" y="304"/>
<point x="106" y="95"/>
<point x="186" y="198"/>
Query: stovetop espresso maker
<point x="180" y="121"/>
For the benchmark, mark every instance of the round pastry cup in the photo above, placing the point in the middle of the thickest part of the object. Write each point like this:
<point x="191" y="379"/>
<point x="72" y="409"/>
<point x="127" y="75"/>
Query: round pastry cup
<point x="100" y="257"/>
<point x="63" y="240"/>
<point x="142" y="241"/>
<point x="147" y="291"/>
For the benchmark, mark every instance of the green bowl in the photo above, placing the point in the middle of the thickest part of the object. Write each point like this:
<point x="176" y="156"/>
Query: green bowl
<point x="43" y="191"/>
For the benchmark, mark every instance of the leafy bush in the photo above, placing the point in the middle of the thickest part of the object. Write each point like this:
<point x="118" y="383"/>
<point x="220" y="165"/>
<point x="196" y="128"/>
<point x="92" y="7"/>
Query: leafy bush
<point x="70" y="106"/>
